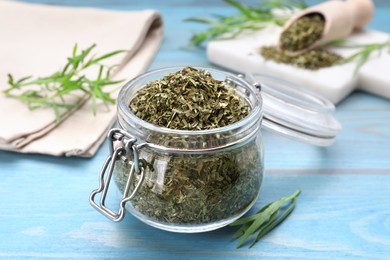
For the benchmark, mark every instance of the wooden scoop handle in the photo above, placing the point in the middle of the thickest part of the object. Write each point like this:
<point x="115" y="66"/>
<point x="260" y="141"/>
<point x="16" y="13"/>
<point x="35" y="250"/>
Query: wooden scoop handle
<point x="362" y="11"/>
<point x="341" y="17"/>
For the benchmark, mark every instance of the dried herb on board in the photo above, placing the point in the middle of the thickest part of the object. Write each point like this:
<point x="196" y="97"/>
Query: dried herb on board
<point x="194" y="188"/>
<point x="302" y="33"/>
<point x="189" y="99"/>
<point x="322" y="58"/>
<point x="311" y="60"/>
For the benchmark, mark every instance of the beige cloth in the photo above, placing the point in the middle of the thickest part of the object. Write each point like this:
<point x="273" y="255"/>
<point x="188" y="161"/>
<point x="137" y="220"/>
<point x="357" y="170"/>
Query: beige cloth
<point x="36" y="40"/>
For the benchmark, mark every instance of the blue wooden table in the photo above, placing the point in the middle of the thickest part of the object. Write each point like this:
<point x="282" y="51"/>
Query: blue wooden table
<point x="342" y="213"/>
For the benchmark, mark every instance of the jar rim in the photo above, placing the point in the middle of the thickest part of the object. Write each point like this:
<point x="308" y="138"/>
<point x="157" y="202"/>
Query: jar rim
<point x="125" y="112"/>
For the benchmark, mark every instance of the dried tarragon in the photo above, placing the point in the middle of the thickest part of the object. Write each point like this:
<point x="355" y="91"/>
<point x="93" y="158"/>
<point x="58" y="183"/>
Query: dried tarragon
<point x="302" y="33"/>
<point x="311" y="60"/>
<point x="189" y="99"/>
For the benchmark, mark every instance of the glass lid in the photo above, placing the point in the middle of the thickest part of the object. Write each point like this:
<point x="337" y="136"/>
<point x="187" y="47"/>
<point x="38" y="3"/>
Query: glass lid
<point x="296" y="112"/>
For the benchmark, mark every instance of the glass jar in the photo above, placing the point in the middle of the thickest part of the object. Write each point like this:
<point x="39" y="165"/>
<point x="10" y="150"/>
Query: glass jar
<point x="195" y="181"/>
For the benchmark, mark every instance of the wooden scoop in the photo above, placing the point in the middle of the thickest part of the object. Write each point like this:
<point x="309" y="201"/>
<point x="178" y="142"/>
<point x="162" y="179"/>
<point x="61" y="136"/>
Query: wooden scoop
<point x="341" y="18"/>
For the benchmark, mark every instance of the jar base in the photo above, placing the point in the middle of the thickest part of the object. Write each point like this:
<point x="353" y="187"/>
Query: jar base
<point x="188" y="228"/>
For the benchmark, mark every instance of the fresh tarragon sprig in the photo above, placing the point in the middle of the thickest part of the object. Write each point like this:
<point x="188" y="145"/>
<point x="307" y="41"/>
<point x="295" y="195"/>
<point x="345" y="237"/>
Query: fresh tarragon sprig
<point x="247" y="19"/>
<point x="265" y="219"/>
<point x="53" y="91"/>
<point x="364" y="52"/>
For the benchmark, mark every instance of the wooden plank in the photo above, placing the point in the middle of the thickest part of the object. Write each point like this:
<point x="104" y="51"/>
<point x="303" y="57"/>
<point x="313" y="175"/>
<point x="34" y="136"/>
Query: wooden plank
<point x="339" y="214"/>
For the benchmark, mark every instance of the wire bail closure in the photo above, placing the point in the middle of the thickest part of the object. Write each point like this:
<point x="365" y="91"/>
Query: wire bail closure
<point x="121" y="152"/>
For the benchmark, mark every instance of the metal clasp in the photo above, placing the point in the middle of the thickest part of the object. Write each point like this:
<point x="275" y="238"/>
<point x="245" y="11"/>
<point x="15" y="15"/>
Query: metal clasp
<point x="126" y="147"/>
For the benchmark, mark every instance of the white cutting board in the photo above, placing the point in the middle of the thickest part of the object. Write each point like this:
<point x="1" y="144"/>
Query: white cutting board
<point x="335" y="83"/>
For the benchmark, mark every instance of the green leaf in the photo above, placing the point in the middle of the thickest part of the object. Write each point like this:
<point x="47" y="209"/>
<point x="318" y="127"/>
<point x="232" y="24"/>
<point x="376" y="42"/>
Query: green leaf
<point x="74" y="50"/>
<point x="241" y="231"/>
<point x="250" y="218"/>
<point x="75" y="60"/>
<point x="360" y="62"/>
<point x="260" y="219"/>
<point x="245" y="10"/>
<point x="200" y="20"/>
<point x="94" y="103"/>
<point x="23" y="80"/>
<point x="56" y="111"/>
<point x="199" y="38"/>
<point x="337" y="42"/>
<point x="272" y="224"/>
<point x="264" y="220"/>
<point x="103" y="57"/>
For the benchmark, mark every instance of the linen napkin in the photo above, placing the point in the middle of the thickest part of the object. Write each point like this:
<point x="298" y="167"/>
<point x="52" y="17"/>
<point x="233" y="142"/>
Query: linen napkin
<point x="36" y="40"/>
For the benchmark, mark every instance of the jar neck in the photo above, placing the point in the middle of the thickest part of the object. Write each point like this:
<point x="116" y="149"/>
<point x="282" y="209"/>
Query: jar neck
<point x="187" y="139"/>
